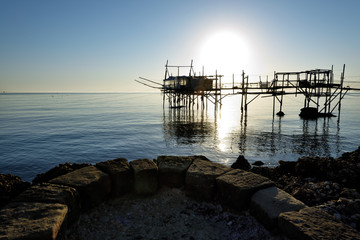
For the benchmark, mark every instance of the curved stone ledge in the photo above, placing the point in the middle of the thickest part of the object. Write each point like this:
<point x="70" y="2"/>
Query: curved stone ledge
<point x="93" y="185"/>
<point x="32" y="220"/>
<point x="267" y="204"/>
<point x="201" y="179"/>
<point x="52" y="193"/>
<point x="45" y="211"/>
<point x="236" y="187"/>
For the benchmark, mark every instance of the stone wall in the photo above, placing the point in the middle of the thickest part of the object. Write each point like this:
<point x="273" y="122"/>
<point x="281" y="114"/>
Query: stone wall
<point x="46" y="210"/>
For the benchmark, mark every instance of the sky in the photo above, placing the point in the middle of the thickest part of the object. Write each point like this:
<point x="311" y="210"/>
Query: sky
<point x="103" y="46"/>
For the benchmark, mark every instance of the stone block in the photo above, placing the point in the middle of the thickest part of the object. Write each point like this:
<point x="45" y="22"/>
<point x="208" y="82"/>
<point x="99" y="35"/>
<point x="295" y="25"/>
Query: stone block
<point x="201" y="177"/>
<point x="52" y="193"/>
<point x="236" y="187"/>
<point x="121" y="174"/>
<point x="38" y="221"/>
<point x="145" y="176"/>
<point x="93" y="185"/>
<point x="172" y="170"/>
<point x="267" y="204"/>
<point x="312" y="223"/>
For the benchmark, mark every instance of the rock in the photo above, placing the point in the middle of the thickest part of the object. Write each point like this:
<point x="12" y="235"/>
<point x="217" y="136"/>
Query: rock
<point x="344" y="170"/>
<point x="267" y="172"/>
<point x="310" y="191"/>
<point x="241" y="163"/>
<point x="352" y="157"/>
<point x="307" y="167"/>
<point x="268" y="203"/>
<point x="349" y="193"/>
<point x="145" y="176"/>
<point x="93" y="185"/>
<point x="312" y="223"/>
<point x="38" y="221"/>
<point x="121" y="174"/>
<point x="320" y="181"/>
<point x="172" y="170"/>
<point x="306" y="195"/>
<point x="58" y="171"/>
<point x="200" y="157"/>
<point x="346" y="210"/>
<point x="52" y="193"/>
<point x="258" y="163"/>
<point x="201" y="179"/>
<point x="236" y="187"/>
<point x="287" y="167"/>
<point x="10" y="187"/>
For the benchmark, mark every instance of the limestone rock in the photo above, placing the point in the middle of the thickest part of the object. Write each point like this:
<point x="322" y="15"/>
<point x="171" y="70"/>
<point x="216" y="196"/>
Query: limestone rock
<point x="57" y="171"/>
<point x="344" y="170"/>
<point x="258" y="163"/>
<point x="236" y="187"/>
<point x="121" y="174"/>
<point x="201" y="179"/>
<point x="312" y="223"/>
<point x="172" y="170"/>
<point x="38" y="221"/>
<point x="52" y="193"/>
<point x="268" y="203"/>
<point x="93" y="185"/>
<point x="287" y="167"/>
<point x="10" y="187"/>
<point x="145" y="176"/>
<point x="241" y="163"/>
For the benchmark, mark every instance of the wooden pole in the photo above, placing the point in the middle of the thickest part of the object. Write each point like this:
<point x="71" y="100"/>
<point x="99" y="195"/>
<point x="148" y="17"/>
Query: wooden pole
<point x="191" y="67"/>
<point x="331" y="82"/>
<point x="247" y="86"/>
<point x="317" y="90"/>
<point x="274" y="88"/>
<point x="242" y="91"/>
<point x="220" y="90"/>
<point x="163" y="99"/>
<point x="341" y="88"/>
<point x="216" y="91"/>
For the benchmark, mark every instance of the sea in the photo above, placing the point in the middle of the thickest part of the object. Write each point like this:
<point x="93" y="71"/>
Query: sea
<point x="39" y="131"/>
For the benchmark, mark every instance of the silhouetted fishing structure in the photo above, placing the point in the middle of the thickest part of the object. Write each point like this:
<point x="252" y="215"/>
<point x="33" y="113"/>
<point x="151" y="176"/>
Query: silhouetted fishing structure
<point x="322" y="94"/>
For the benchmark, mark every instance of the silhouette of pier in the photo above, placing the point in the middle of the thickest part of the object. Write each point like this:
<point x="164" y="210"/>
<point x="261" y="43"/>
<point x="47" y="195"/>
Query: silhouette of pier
<point x="321" y="91"/>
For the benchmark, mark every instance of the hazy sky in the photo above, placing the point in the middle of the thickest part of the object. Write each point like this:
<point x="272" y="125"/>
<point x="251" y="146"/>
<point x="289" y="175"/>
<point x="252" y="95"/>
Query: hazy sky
<point x="96" y="46"/>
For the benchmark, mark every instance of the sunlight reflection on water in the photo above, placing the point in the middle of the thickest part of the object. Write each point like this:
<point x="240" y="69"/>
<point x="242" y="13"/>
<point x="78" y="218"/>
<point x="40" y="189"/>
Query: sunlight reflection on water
<point x="258" y="135"/>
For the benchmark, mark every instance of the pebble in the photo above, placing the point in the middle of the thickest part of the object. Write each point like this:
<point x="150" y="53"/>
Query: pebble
<point x="174" y="216"/>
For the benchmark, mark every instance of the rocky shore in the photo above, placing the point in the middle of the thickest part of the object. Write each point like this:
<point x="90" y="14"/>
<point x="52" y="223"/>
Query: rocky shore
<point x="325" y="183"/>
<point x="10" y="187"/>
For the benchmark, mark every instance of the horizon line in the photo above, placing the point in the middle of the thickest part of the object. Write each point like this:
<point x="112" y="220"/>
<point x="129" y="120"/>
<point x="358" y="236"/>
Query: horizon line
<point x="76" y="92"/>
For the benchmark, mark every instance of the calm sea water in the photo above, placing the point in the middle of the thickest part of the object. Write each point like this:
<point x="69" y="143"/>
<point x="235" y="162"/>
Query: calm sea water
<point x="39" y="131"/>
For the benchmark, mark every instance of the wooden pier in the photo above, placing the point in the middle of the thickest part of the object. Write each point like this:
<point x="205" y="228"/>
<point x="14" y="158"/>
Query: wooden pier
<point x="322" y="93"/>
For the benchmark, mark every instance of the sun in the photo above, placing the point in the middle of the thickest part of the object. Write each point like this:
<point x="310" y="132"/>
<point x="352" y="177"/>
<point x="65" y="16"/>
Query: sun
<point x="225" y="51"/>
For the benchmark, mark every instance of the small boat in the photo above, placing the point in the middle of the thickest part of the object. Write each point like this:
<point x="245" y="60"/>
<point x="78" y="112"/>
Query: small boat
<point x="312" y="113"/>
<point x="177" y="106"/>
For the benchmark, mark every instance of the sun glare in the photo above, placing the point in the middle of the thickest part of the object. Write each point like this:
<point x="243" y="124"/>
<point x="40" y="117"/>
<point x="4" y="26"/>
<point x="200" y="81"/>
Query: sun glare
<point x="225" y="51"/>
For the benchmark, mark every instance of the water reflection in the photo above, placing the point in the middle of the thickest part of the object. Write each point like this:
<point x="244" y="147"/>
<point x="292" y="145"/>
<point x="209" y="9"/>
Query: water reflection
<point x="257" y="135"/>
<point x="315" y="138"/>
<point x="242" y="134"/>
<point x="319" y="137"/>
<point x="187" y="126"/>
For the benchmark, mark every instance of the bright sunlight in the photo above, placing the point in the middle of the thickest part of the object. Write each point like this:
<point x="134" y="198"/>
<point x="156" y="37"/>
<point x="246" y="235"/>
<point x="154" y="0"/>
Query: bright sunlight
<point x="225" y="51"/>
